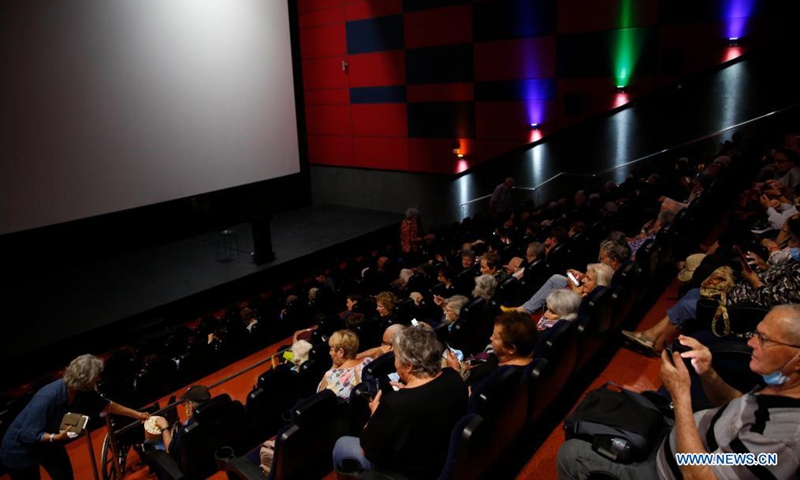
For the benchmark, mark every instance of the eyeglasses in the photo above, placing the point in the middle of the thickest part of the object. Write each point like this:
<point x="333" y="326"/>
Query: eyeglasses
<point x="764" y="340"/>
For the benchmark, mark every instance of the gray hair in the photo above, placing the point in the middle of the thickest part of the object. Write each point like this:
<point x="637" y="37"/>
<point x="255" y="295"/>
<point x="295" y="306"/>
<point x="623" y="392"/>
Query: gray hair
<point x="419" y="349"/>
<point x="82" y="373"/>
<point x="456" y="302"/>
<point x="602" y="273"/>
<point x="564" y="303"/>
<point x="616" y="251"/>
<point x="484" y="287"/>
<point x="535" y="249"/>
<point x="412" y="212"/>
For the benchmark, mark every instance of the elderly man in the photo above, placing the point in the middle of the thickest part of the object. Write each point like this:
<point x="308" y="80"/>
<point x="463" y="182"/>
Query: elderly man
<point x="386" y="343"/>
<point x="765" y="420"/>
<point x="501" y="199"/>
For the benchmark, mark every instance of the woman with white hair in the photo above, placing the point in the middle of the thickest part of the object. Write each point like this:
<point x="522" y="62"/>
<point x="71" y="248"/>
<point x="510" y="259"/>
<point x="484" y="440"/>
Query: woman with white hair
<point x="410" y="231"/>
<point x="561" y="305"/>
<point x="484" y="287"/>
<point x="409" y="429"/>
<point x="34" y="438"/>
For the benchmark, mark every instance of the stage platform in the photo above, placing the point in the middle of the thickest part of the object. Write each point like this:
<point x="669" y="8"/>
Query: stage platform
<point x="105" y="301"/>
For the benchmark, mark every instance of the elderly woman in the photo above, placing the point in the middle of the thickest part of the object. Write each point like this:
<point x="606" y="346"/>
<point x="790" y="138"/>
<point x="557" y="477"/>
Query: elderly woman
<point x="484" y="287"/>
<point x="513" y="339"/>
<point x="612" y="254"/>
<point x="346" y="370"/>
<point x="409" y="430"/>
<point x="410" y="231"/>
<point x="33" y="439"/>
<point x="561" y="305"/>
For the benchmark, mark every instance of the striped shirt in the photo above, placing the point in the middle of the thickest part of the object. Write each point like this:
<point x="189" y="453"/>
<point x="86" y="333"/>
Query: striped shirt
<point x="752" y="423"/>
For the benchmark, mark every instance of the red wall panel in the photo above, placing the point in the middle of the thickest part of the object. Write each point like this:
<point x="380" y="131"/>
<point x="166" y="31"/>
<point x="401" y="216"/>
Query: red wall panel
<point x="361" y="9"/>
<point x="329" y="150"/>
<point x="441" y="92"/>
<point x="384" y="119"/>
<point x="438" y="26"/>
<point x="324" y="73"/>
<point x="592" y="15"/>
<point x="508" y="120"/>
<point x="308" y="5"/>
<point x="515" y="59"/>
<point x="316" y="18"/>
<point x="380" y="152"/>
<point x="377" y="69"/>
<point x="328" y="120"/>
<point x="325" y="41"/>
<point x="327" y="97"/>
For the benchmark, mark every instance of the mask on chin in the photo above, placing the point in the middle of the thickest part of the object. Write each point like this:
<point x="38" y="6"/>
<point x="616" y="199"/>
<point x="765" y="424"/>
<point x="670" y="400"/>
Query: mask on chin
<point x="775" y="378"/>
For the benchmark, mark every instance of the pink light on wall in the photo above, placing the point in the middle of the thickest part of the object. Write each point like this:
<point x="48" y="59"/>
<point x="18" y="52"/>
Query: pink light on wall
<point x="462" y="166"/>
<point x="732" y="53"/>
<point x="620" y="99"/>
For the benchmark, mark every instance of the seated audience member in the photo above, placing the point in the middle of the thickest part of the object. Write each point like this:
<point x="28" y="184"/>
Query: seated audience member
<point x="766" y="420"/>
<point x="561" y="305"/>
<point x="484" y="287"/>
<point x="384" y="304"/>
<point x="490" y="265"/>
<point x="33" y="438"/>
<point x="194" y="396"/>
<point x="386" y="343"/>
<point x="445" y="277"/>
<point x="346" y="370"/>
<point x="516" y="266"/>
<point x="513" y="339"/>
<point x="612" y="254"/>
<point x="353" y="305"/>
<point x="597" y="275"/>
<point x="409" y="430"/>
<point x="784" y="168"/>
<point x="249" y="318"/>
<point x="324" y="282"/>
<point x="650" y="230"/>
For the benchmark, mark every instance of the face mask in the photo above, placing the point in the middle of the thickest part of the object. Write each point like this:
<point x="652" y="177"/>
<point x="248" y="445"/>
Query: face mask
<point x="775" y="378"/>
<point x="795" y="253"/>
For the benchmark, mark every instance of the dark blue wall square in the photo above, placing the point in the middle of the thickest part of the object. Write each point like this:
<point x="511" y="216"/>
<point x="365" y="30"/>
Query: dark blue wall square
<point x="441" y="120"/>
<point x="505" y="19"/>
<point x="538" y="89"/>
<point x="375" y="34"/>
<point x="446" y="64"/>
<point x="415" y="5"/>
<point x="395" y="94"/>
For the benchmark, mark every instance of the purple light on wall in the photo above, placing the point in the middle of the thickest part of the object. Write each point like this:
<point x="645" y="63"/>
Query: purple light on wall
<point x="535" y="94"/>
<point x="736" y="15"/>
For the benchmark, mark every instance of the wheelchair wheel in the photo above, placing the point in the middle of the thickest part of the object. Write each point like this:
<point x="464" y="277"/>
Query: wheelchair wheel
<point x="109" y="459"/>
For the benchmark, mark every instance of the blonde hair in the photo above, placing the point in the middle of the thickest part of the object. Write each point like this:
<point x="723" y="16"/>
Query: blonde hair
<point x="347" y="341"/>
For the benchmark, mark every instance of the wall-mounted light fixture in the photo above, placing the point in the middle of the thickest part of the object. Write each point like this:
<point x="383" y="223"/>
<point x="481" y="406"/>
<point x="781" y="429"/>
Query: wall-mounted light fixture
<point x="733" y="41"/>
<point x="534" y="126"/>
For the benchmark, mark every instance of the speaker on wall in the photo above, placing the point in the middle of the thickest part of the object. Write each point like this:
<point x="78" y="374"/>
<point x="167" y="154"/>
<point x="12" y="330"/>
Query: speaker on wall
<point x="262" y="240"/>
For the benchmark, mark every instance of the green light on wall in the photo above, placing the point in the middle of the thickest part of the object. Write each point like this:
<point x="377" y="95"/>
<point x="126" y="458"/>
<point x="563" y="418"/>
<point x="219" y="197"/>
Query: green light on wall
<point x="626" y="48"/>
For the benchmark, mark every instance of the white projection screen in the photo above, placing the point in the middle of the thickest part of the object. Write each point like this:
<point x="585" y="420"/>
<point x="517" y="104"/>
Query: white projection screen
<point x="107" y="105"/>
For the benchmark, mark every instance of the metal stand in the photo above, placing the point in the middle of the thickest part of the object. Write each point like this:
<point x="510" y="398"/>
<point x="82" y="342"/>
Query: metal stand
<point x="91" y="454"/>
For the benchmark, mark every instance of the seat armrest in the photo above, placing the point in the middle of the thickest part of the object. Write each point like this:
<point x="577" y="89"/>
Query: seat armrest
<point x="161" y="460"/>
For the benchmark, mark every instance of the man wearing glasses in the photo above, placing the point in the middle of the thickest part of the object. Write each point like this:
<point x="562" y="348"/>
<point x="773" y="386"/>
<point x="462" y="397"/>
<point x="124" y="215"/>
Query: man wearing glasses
<point x="763" y="421"/>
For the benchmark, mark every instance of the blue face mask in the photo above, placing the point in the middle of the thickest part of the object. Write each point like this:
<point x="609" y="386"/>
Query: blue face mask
<point x="775" y="378"/>
<point x="795" y="253"/>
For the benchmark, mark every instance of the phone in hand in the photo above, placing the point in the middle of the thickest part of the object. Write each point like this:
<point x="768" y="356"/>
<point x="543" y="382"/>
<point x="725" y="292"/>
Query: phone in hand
<point x="414" y="322"/>
<point x="745" y="265"/>
<point x="573" y="279"/>
<point x="675" y="346"/>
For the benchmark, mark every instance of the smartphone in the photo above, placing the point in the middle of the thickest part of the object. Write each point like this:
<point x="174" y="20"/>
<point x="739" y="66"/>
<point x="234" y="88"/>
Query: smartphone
<point x="742" y="258"/>
<point x="573" y="279"/>
<point x="456" y="353"/>
<point x="414" y="322"/>
<point x="675" y="346"/>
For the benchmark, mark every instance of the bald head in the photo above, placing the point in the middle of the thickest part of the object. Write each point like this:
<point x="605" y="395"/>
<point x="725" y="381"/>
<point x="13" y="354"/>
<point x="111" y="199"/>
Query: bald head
<point x="390" y="332"/>
<point x="787" y="321"/>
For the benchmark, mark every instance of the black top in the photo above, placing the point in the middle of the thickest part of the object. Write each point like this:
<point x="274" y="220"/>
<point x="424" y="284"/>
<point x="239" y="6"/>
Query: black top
<point x="410" y="431"/>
